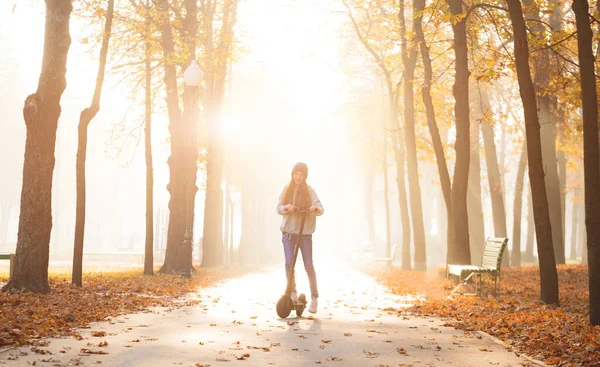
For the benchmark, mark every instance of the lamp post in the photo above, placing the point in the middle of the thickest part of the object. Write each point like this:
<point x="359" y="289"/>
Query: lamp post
<point x="193" y="79"/>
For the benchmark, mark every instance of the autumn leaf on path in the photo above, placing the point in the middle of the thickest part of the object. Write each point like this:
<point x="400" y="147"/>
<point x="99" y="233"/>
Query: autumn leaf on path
<point x="91" y="351"/>
<point x="333" y="359"/>
<point x="99" y="334"/>
<point x="370" y="354"/>
<point x="40" y="351"/>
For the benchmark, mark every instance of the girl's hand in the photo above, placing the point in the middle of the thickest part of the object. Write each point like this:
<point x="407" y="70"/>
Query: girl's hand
<point x="289" y="208"/>
<point x="314" y="209"/>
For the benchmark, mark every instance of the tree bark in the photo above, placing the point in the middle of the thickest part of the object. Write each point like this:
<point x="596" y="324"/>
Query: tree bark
<point x="528" y="256"/>
<point x="149" y="240"/>
<point x="494" y="176"/>
<point x="474" y="200"/>
<point x="41" y="112"/>
<point x="398" y="146"/>
<point x="556" y="26"/>
<point x="461" y="253"/>
<point x="438" y="147"/>
<point x="547" y="118"/>
<point x="591" y="159"/>
<point x="409" y="59"/>
<point x="574" y="229"/>
<point x="84" y="121"/>
<point x="548" y="274"/>
<point x="518" y="209"/>
<point x="182" y="162"/>
<point x="177" y="198"/>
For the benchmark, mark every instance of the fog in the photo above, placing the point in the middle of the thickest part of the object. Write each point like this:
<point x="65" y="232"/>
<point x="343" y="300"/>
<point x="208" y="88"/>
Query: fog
<point x="301" y="88"/>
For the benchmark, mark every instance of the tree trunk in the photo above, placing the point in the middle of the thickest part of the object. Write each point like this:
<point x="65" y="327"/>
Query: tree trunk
<point x="562" y="180"/>
<point x="175" y="187"/>
<point x="517" y="209"/>
<point x="474" y="200"/>
<point x="548" y="274"/>
<point x="41" y="112"/>
<point x="574" y="229"/>
<point x="244" y="250"/>
<point x="461" y="253"/>
<point x="436" y="140"/>
<point x="149" y="241"/>
<point x="547" y="118"/>
<point x="409" y="59"/>
<point x="494" y="176"/>
<point x="182" y="162"/>
<point x="591" y="160"/>
<point x="528" y="256"/>
<point x="84" y="121"/>
<point x="398" y="146"/>
<point x="584" y="256"/>
<point x="386" y="199"/>
<point x="226" y="223"/>
<point x="556" y="22"/>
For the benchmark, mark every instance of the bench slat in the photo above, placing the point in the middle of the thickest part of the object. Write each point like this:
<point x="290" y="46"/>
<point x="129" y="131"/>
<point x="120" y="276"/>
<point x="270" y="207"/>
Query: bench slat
<point x="491" y="257"/>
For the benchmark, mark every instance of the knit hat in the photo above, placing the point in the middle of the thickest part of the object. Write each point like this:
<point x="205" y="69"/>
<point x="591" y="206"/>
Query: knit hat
<point x="301" y="167"/>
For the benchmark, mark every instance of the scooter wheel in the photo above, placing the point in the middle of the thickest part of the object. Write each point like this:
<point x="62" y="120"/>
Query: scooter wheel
<point x="284" y="306"/>
<point x="301" y="304"/>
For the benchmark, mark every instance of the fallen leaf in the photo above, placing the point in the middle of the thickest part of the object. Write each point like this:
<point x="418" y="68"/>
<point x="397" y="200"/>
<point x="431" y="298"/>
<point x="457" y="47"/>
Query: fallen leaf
<point x="91" y="351"/>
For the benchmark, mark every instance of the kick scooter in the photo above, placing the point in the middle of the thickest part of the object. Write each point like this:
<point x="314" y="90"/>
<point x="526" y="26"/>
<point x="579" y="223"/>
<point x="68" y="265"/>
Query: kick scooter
<point x="285" y="304"/>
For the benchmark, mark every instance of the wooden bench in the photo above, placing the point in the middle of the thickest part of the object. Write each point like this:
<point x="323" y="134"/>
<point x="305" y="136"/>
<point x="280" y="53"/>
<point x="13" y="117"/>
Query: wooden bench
<point x="11" y="258"/>
<point x="491" y="259"/>
<point x="388" y="260"/>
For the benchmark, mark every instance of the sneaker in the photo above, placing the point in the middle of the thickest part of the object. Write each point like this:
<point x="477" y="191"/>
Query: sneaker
<point x="313" y="305"/>
<point x="294" y="297"/>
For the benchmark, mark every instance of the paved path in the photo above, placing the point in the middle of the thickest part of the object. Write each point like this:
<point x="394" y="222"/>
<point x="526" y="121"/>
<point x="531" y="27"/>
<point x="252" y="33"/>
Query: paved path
<point x="236" y="324"/>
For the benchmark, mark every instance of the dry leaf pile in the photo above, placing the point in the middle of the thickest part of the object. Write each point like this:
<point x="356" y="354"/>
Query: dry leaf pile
<point x="558" y="335"/>
<point x="26" y="317"/>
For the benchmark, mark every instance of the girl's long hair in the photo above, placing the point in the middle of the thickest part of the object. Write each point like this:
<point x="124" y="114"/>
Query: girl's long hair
<point x="302" y="197"/>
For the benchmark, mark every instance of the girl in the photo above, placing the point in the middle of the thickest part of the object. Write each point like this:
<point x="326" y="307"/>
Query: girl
<point x="295" y="196"/>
